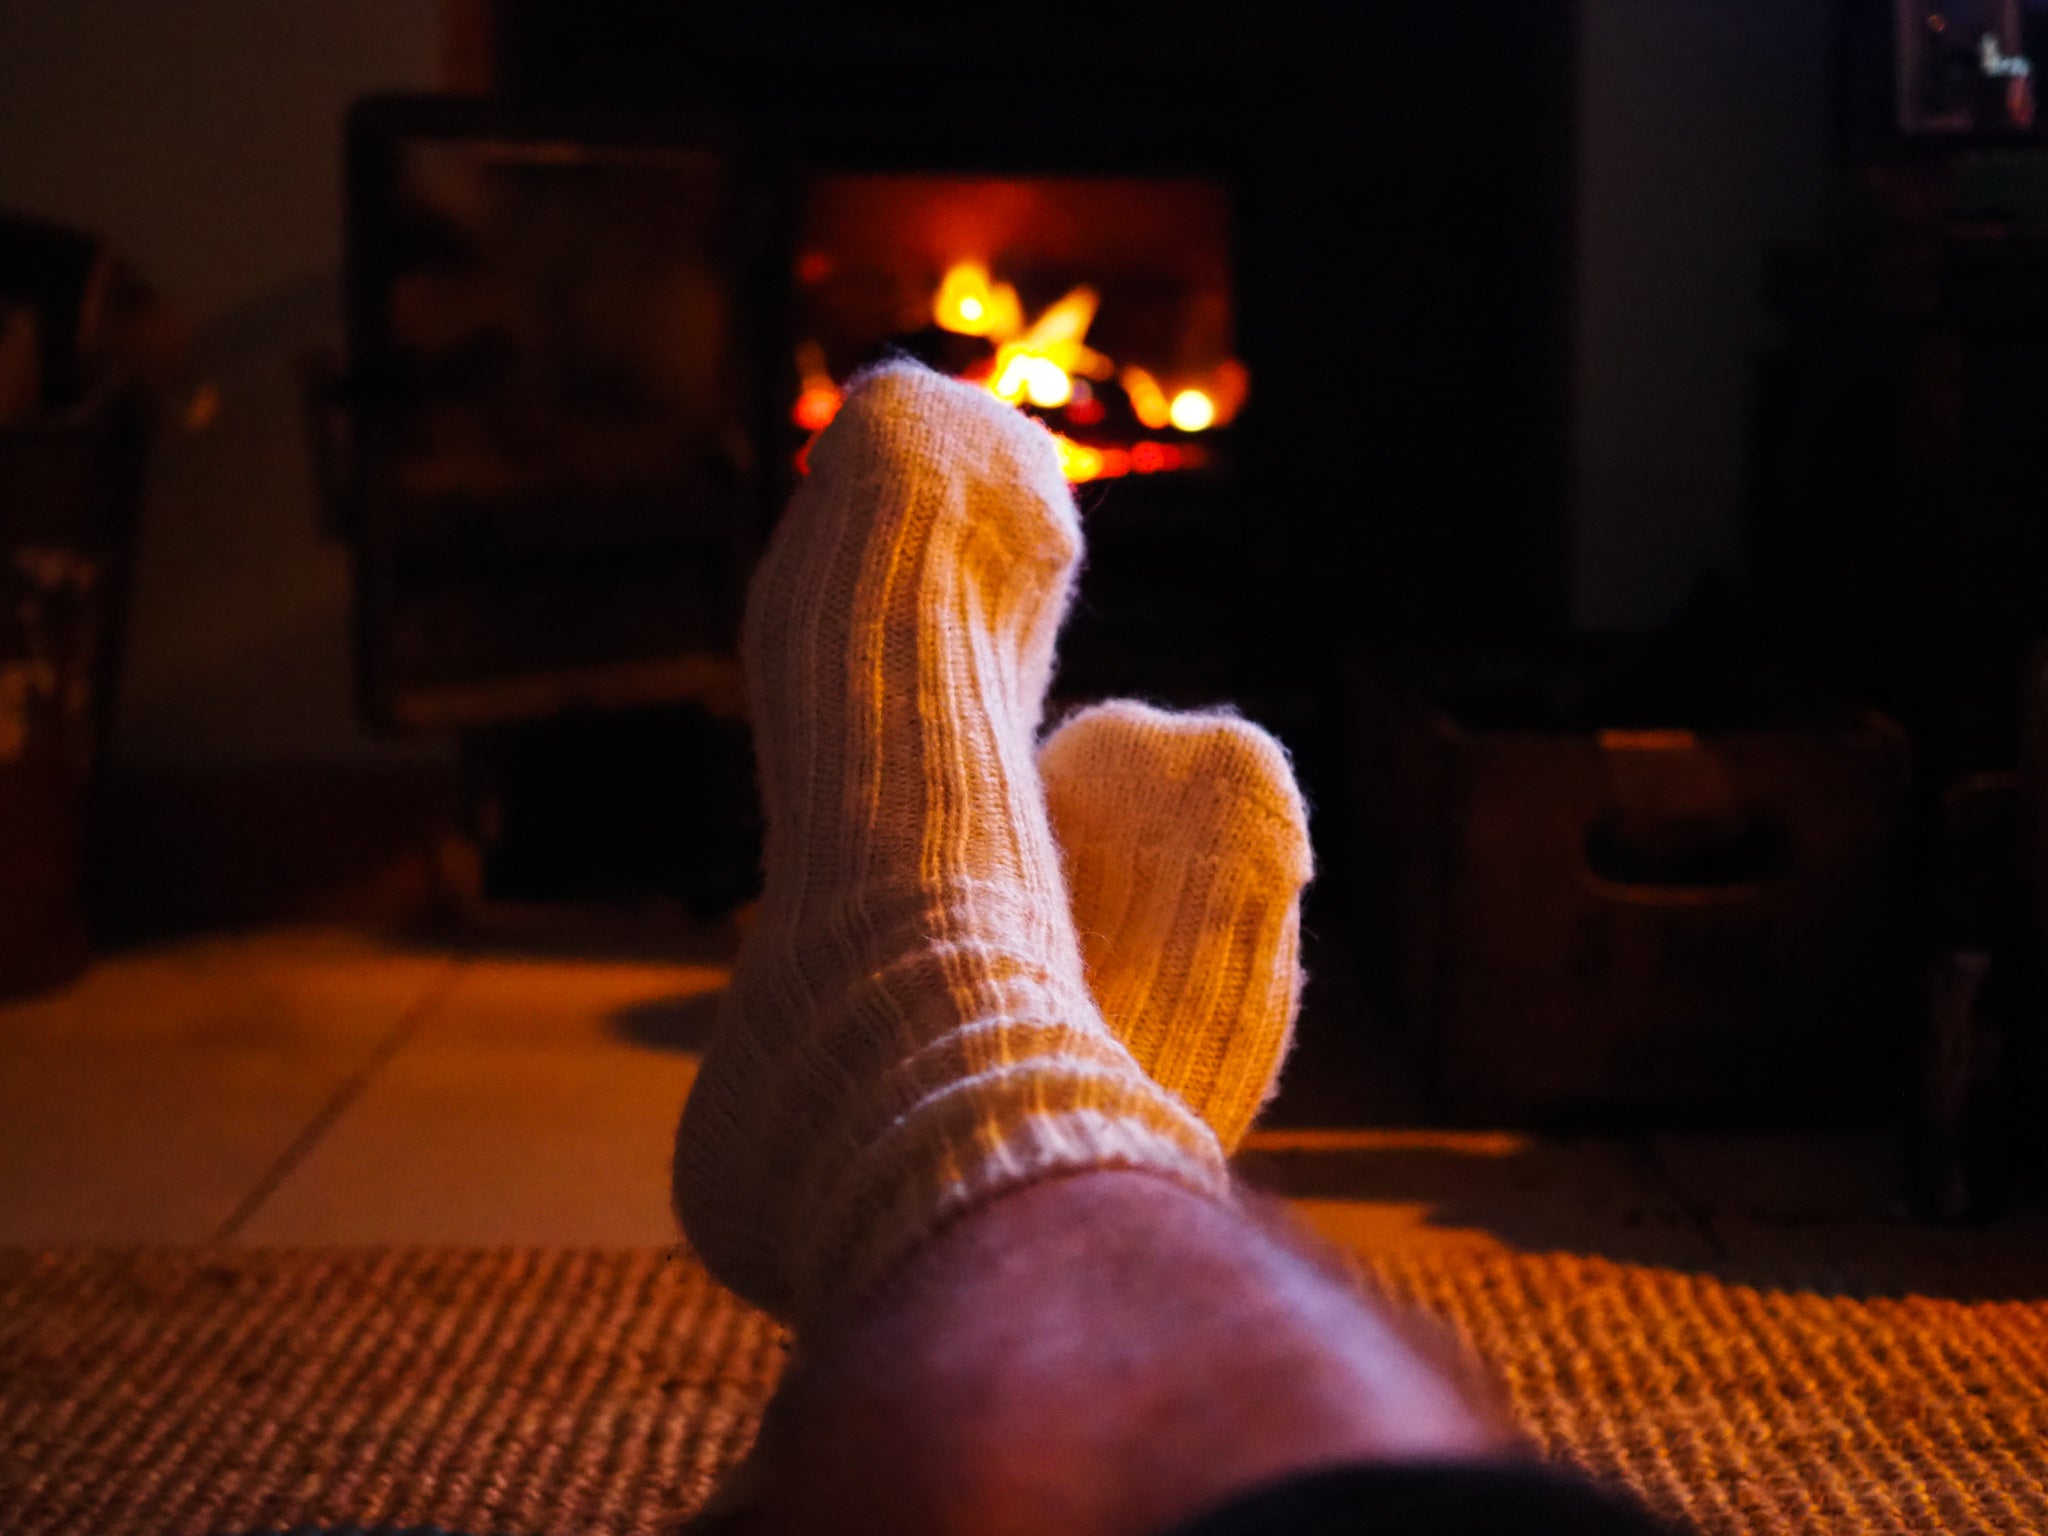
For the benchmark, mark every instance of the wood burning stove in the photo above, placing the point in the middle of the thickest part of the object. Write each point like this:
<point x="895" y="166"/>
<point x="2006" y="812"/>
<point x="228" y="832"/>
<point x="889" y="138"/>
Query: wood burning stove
<point x="1341" y="251"/>
<point x="1290" y="284"/>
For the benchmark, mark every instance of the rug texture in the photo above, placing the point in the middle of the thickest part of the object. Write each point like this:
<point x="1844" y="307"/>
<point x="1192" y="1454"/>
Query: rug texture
<point x="545" y="1394"/>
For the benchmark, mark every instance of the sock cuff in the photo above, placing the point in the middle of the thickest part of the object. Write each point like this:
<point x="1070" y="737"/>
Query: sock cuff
<point x="984" y="1137"/>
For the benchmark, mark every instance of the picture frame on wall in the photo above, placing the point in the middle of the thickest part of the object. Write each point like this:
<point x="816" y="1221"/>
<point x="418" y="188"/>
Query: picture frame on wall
<point x="1965" y="68"/>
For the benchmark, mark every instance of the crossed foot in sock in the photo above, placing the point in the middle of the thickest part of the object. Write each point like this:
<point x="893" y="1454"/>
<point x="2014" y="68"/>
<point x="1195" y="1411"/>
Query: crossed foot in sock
<point x="920" y="1021"/>
<point x="1186" y="846"/>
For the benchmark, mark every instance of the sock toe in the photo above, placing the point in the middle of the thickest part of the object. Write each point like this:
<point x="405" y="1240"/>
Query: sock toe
<point x="1186" y="848"/>
<point x="1209" y="777"/>
<point x="902" y="423"/>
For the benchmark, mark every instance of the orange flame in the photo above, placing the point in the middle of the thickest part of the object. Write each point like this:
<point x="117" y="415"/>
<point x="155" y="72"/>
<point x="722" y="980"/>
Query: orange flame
<point x="970" y="304"/>
<point x="1040" y="365"/>
<point x="1195" y="406"/>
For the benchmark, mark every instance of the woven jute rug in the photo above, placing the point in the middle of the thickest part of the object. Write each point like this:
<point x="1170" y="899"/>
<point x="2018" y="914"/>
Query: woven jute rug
<point x="186" y="1393"/>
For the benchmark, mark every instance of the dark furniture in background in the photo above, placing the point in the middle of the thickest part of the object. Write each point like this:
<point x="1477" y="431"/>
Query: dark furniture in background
<point x="1650" y="922"/>
<point x="1902" y="544"/>
<point x="86" y="350"/>
<point x="1902" y="556"/>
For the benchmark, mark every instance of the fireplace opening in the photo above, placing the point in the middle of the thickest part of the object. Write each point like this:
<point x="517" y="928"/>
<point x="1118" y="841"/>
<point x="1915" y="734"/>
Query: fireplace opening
<point x="1102" y="305"/>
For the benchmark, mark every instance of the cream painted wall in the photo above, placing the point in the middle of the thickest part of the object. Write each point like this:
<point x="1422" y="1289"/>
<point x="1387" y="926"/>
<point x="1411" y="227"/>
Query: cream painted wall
<point x="203" y="137"/>
<point x="1703" y="134"/>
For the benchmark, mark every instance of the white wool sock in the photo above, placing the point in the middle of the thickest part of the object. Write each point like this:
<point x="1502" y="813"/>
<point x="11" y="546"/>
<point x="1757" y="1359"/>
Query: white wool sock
<point x="908" y="1032"/>
<point x="1186" y="846"/>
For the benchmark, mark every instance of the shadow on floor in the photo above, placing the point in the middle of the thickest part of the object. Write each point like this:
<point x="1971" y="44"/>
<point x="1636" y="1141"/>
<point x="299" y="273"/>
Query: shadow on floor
<point x="1631" y="1200"/>
<point x="657" y="934"/>
<point x="680" y="1023"/>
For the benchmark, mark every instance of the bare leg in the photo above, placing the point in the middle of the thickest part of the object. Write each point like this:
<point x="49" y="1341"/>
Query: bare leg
<point x="1098" y="1355"/>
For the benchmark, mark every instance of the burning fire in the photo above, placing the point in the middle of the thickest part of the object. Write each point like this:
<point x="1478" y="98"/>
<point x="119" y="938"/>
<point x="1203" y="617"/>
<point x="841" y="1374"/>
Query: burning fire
<point x="1047" y="364"/>
<point x="1041" y="362"/>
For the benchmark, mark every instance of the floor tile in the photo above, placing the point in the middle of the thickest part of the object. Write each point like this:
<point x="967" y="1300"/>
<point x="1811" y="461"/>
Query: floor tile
<point x="316" y="1086"/>
<point x="276" y="990"/>
<point x="536" y="1106"/>
<point x="573" y="1004"/>
<point x="148" y="1103"/>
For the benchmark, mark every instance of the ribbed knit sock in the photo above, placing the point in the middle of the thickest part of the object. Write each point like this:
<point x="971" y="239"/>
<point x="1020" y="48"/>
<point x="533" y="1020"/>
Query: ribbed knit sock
<point x="1186" y="847"/>
<point x="908" y="1032"/>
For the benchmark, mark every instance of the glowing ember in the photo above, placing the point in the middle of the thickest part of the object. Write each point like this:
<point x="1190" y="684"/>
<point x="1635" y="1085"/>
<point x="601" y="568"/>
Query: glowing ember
<point x="818" y="400"/>
<point x="1046" y="386"/>
<point x="816" y="407"/>
<point x="1078" y="462"/>
<point x="1037" y="379"/>
<point x="1192" y="411"/>
<point x="1081" y="463"/>
<point x="1085" y="410"/>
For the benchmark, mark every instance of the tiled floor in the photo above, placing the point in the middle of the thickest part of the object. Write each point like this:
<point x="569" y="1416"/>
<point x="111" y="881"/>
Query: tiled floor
<point x="317" y="1087"/>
